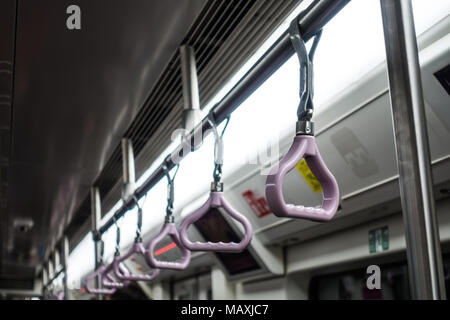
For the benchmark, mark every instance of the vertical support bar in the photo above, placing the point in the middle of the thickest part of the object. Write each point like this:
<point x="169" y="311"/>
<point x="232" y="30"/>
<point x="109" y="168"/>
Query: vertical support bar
<point x="51" y="270"/>
<point x="44" y="282"/>
<point x="191" y="97"/>
<point x="56" y="259"/>
<point x="96" y="210"/>
<point x="51" y="274"/>
<point x="221" y="288"/>
<point x="129" y="177"/>
<point x="413" y="155"/>
<point x="65" y="263"/>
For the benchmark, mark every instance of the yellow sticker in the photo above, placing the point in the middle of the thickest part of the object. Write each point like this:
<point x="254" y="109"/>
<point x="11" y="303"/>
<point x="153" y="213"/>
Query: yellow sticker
<point x="306" y="172"/>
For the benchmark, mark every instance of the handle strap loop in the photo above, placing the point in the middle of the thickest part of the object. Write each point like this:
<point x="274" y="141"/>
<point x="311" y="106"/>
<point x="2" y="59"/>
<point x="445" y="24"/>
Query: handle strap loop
<point x="306" y="108"/>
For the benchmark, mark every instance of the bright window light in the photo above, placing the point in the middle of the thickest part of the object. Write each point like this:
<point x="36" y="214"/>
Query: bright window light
<point x="352" y="44"/>
<point x="81" y="261"/>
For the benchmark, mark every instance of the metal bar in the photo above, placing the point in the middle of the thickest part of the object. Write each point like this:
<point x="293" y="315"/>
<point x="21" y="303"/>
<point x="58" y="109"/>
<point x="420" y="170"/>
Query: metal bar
<point x="65" y="263"/>
<point x="128" y="161"/>
<point x="129" y="178"/>
<point x="56" y="259"/>
<point x="50" y="269"/>
<point x="56" y="275"/>
<point x="311" y="21"/>
<point x="96" y="210"/>
<point x="426" y="277"/>
<point x="191" y="97"/>
<point x="44" y="282"/>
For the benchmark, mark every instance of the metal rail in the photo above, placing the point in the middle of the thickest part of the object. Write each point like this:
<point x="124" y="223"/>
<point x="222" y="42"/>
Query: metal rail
<point x="426" y="277"/>
<point x="65" y="263"/>
<point x="311" y="21"/>
<point x="96" y="208"/>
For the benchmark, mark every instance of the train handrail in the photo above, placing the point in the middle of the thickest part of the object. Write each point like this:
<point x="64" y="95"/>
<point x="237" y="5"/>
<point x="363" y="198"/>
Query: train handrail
<point x="139" y="249"/>
<point x="168" y="229"/>
<point x="216" y="200"/>
<point x="109" y="282"/>
<point x="136" y="248"/>
<point x="94" y="275"/>
<point x="303" y="147"/>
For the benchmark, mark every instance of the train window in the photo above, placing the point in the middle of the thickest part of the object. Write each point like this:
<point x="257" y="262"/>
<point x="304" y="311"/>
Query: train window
<point x="351" y="285"/>
<point x="443" y="77"/>
<point x="197" y="287"/>
<point x="131" y="292"/>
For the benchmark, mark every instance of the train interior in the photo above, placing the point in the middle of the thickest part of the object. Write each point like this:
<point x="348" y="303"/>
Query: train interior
<point x="72" y="100"/>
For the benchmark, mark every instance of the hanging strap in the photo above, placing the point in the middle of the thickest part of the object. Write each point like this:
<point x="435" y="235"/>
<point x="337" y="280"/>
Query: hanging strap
<point x="168" y="230"/>
<point x="306" y="108"/>
<point x="218" y="150"/>
<point x="117" y="249"/>
<point x="138" y="238"/>
<point x="170" y="191"/>
<point x="216" y="200"/>
<point x="102" y="252"/>
<point x="303" y="147"/>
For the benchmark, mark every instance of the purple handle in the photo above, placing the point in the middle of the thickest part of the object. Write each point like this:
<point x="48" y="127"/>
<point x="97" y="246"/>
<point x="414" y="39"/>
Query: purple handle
<point x="216" y="200"/>
<point x="109" y="282"/>
<point x="303" y="147"/>
<point x="136" y="248"/>
<point x="170" y="230"/>
<point x="92" y="276"/>
<point x="58" y="296"/>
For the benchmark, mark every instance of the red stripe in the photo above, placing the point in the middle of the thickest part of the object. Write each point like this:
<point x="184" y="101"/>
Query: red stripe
<point x="165" y="249"/>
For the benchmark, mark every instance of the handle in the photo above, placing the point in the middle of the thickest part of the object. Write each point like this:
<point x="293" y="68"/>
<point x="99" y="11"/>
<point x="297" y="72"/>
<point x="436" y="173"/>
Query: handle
<point x="170" y="230"/>
<point x="58" y="296"/>
<point x="136" y="248"/>
<point x="92" y="276"/>
<point x="216" y="200"/>
<point x="109" y="282"/>
<point x="303" y="147"/>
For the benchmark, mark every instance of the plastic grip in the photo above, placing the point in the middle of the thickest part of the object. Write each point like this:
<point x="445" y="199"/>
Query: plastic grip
<point x="136" y="248"/>
<point x="58" y="296"/>
<point x="91" y="277"/>
<point x="303" y="147"/>
<point x="216" y="200"/>
<point x="109" y="282"/>
<point x="170" y="230"/>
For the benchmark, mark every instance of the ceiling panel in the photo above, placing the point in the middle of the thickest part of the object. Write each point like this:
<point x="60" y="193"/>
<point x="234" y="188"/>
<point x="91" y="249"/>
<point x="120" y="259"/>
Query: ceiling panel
<point x="75" y="93"/>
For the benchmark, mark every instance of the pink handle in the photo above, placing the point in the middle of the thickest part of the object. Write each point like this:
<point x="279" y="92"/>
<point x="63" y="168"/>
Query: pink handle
<point x="303" y="147"/>
<point x="168" y="229"/>
<point x="109" y="282"/>
<point x="139" y="249"/>
<point x="92" y="276"/>
<point x="216" y="200"/>
<point x="58" y="296"/>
